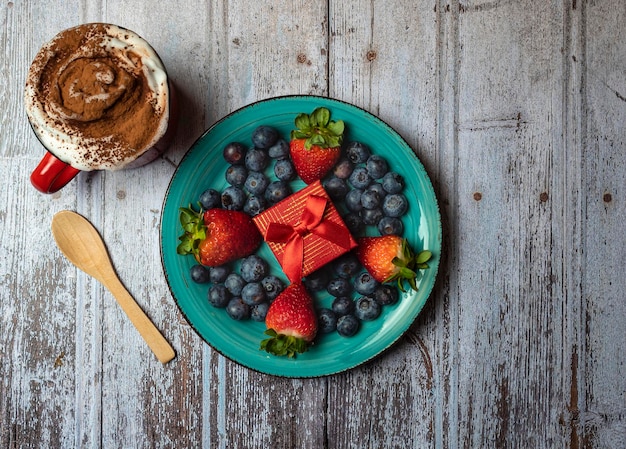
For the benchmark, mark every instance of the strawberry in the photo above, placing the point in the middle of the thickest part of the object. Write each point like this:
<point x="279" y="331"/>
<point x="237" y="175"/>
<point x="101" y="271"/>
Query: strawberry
<point x="291" y="322"/>
<point x="390" y="258"/>
<point x="315" y="145"/>
<point x="217" y="236"/>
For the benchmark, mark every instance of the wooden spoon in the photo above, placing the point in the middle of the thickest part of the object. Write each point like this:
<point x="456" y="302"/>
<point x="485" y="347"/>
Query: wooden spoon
<point x="82" y="245"/>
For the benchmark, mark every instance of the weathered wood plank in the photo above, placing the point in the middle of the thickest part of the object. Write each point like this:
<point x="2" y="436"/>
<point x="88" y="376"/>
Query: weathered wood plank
<point x="601" y="367"/>
<point x="510" y="187"/>
<point x="38" y="311"/>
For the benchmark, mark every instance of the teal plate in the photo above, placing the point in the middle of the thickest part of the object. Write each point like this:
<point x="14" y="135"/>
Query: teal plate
<point x="203" y="167"/>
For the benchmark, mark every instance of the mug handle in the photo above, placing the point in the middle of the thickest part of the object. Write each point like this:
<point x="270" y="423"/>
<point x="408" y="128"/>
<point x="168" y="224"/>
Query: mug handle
<point x="52" y="174"/>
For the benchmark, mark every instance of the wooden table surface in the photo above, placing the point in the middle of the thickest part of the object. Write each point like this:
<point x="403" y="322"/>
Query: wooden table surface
<point x="517" y="111"/>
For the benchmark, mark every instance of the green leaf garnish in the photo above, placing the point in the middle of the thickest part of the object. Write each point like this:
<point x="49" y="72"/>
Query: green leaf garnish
<point x="320" y="117"/>
<point x="408" y="267"/>
<point x="423" y="257"/>
<point x="195" y="231"/>
<point x="318" y="129"/>
<point x="283" y="345"/>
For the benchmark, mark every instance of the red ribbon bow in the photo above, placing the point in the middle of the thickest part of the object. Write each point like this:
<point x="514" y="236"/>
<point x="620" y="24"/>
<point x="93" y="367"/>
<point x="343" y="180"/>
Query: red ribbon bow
<point x="311" y="221"/>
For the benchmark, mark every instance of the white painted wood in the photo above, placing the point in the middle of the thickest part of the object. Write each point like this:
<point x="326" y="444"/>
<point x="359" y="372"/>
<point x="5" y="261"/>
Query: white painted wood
<point x="517" y="110"/>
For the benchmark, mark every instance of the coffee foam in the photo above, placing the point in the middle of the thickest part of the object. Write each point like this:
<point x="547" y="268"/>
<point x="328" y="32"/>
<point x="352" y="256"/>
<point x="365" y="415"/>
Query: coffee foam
<point x="97" y="97"/>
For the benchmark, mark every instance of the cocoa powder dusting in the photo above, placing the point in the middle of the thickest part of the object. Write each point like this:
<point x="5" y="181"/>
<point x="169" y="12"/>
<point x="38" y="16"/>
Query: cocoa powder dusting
<point x="97" y="94"/>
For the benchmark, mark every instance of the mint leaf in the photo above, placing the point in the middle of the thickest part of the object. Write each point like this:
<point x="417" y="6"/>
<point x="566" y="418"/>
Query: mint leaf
<point x="317" y="129"/>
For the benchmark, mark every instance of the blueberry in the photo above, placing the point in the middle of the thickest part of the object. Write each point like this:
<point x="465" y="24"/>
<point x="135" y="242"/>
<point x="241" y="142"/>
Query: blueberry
<point x="253" y="268"/>
<point x="336" y="188"/>
<point x="367" y="309"/>
<point x="390" y="226"/>
<point x="218" y="295"/>
<point x="346" y="265"/>
<point x="254" y="205"/>
<point x="357" y="152"/>
<point x="385" y="295"/>
<point x="339" y="287"/>
<point x="264" y="137"/>
<point x="256" y="159"/>
<point x="378" y="188"/>
<point x="218" y="275"/>
<point x="347" y="325"/>
<point x="395" y="205"/>
<point x="253" y="293"/>
<point x="365" y="284"/>
<point x="280" y="150"/>
<point x="353" y="200"/>
<point x="256" y="183"/>
<point x="273" y="286"/>
<point x="376" y="166"/>
<point x="393" y="182"/>
<point x="343" y="169"/>
<point x="317" y="281"/>
<point x="199" y="274"/>
<point x="234" y="153"/>
<point x="277" y="191"/>
<point x="234" y="283"/>
<point x="284" y="170"/>
<point x="236" y="175"/>
<point x="371" y="217"/>
<point x="327" y="321"/>
<point x="354" y="223"/>
<point x="371" y="199"/>
<point x="360" y="178"/>
<point x="233" y="198"/>
<point x="237" y="309"/>
<point x="343" y="306"/>
<point x="210" y="199"/>
<point x="259" y="311"/>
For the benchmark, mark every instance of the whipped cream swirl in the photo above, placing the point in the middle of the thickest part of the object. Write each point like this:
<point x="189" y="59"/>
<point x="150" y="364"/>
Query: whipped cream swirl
<point x="97" y="97"/>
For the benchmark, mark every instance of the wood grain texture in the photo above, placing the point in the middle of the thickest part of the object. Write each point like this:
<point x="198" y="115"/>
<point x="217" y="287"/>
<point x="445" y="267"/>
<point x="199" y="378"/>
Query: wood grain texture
<point x="517" y="110"/>
<point x="603" y="167"/>
<point x="508" y="122"/>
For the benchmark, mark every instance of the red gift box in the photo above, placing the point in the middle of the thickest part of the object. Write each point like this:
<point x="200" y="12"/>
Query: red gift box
<point x="305" y="231"/>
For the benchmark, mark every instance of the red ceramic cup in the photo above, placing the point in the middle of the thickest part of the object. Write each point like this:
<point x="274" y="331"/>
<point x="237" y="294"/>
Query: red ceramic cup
<point x="77" y="119"/>
<point x="52" y="174"/>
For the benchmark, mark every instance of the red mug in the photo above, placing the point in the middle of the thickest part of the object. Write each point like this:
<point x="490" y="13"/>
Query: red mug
<point x="52" y="174"/>
<point x="93" y="85"/>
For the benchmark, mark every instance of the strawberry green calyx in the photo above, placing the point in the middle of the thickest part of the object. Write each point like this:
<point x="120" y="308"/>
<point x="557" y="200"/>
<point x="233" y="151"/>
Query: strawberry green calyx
<point x="283" y="345"/>
<point x="422" y="258"/>
<point x="195" y="231"/>
<point x="318" y="129"/>
<point x="408" y="265"/>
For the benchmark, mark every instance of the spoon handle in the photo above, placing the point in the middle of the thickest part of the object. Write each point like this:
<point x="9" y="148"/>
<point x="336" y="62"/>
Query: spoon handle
<point x="155" y="340"/>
